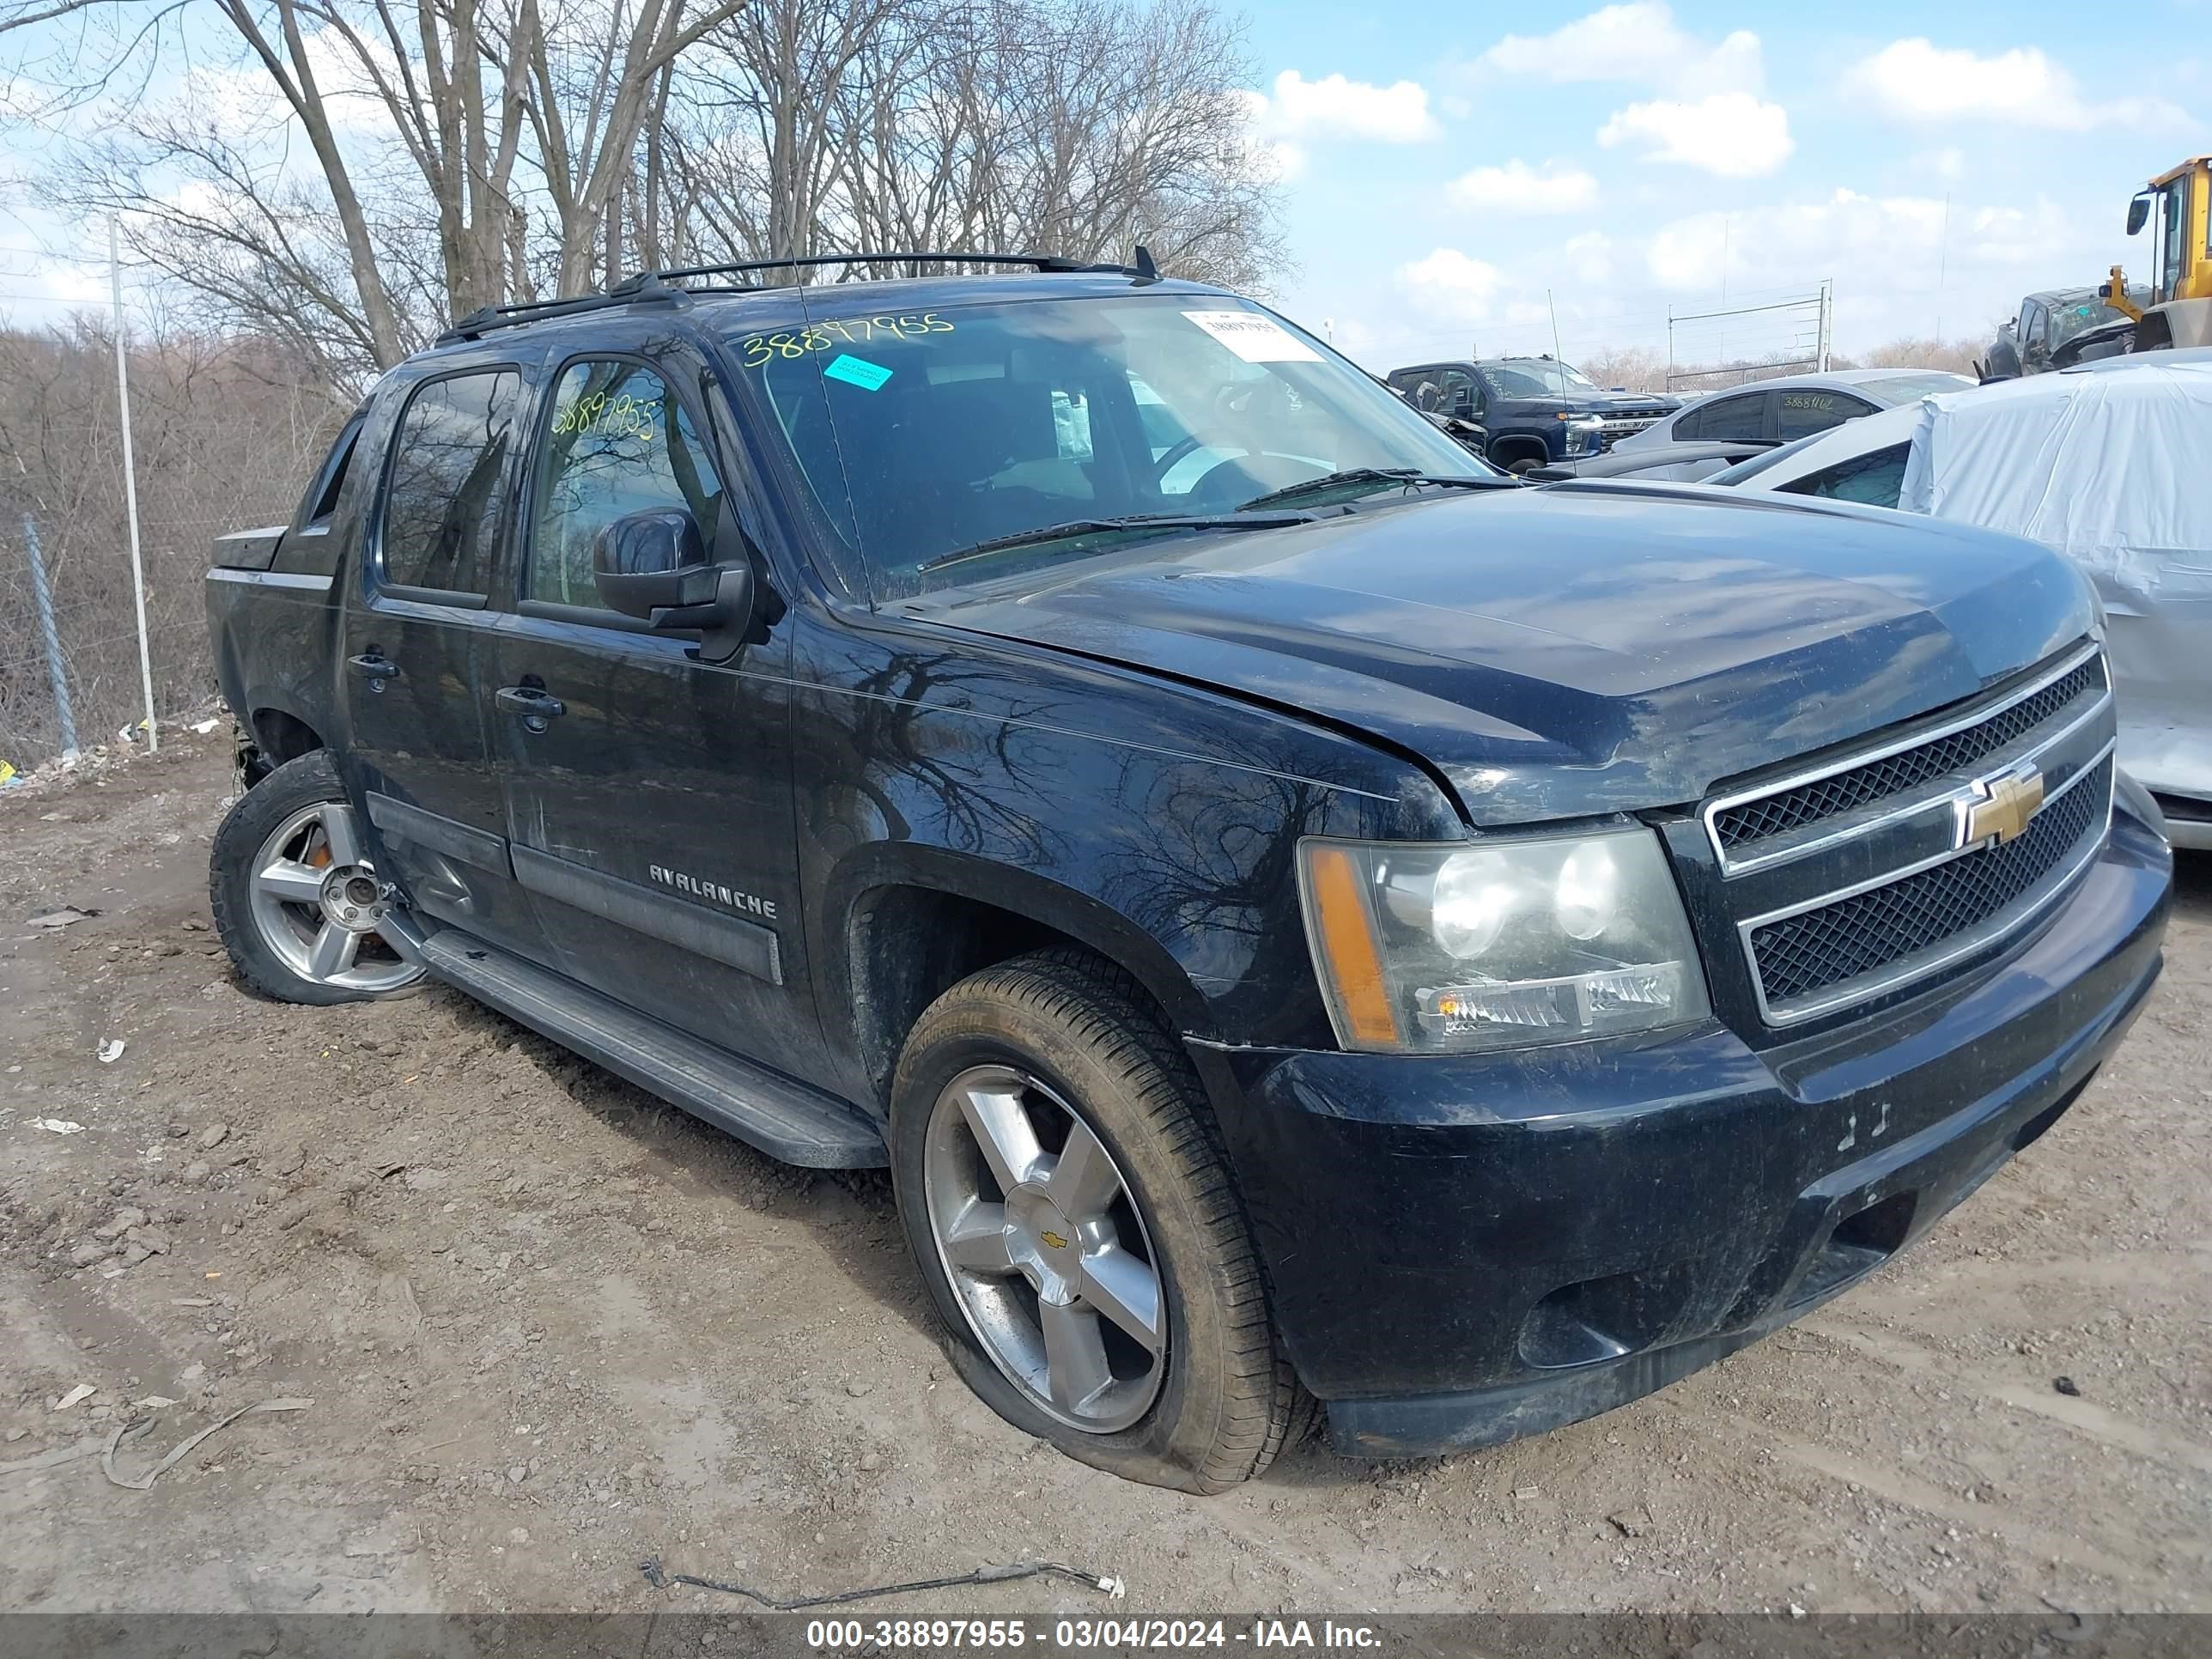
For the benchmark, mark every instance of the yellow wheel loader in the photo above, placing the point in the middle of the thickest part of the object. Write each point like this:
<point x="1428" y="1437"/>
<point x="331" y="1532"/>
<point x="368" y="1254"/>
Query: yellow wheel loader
<point x="2179" y="204"/>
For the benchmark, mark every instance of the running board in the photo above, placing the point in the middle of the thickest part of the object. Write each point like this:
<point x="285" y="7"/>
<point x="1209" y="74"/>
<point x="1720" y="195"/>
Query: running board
<point x="784" y="1118"/>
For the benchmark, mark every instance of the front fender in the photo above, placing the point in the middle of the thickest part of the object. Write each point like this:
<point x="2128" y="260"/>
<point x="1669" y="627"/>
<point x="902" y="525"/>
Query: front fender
<point x="1153" y="821"/>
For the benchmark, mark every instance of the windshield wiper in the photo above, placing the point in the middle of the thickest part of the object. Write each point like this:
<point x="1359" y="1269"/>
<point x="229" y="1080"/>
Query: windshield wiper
<point x="1379" y="476"/>
<point x="1073" y="527"/>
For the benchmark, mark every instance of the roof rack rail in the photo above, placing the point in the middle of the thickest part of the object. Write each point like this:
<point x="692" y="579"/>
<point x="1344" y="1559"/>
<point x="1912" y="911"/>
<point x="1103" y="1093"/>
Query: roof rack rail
<point x="1143" y="269"/>
<point x="659" y="287"/>
<point x="638" y="290"/>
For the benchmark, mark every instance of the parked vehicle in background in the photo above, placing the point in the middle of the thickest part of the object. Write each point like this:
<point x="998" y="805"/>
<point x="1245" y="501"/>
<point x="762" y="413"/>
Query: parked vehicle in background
<point x="1791" y="406"/>
<point x="2098" y="463"/>
<point x="2178" y="205"/>
<point x="1298" y="914"/>
<point x="1470" y="435"/>
<point x="2043" y="334"/>
<point x="1534" y="411"/>
<point x="1667" y="463"/>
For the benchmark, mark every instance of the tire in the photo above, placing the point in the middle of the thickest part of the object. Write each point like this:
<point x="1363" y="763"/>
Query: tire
<point x="1523" y="467"/>
<point x="294" y="830"/>
<point x="1070" y="1040"/>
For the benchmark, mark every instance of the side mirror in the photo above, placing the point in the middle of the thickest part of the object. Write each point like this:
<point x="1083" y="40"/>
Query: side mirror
<point x="1463" y="404"/>
<point x="652" y="565"/>
<point x="2138" y="213"/>
<point x="644" y="562"/>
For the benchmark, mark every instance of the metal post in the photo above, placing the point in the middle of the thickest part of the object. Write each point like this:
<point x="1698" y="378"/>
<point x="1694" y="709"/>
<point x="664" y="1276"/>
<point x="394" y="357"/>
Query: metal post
<point x="130" y="494"/>
<point x="42" y="600"/>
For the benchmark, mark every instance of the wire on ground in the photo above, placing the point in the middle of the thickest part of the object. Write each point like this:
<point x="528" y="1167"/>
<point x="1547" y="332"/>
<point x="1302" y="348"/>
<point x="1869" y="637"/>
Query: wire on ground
<point x="660" y="1578"/>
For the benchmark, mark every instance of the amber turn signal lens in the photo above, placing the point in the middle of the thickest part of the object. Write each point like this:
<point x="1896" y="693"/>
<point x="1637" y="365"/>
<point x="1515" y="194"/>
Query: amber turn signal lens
<point x="1347" y="936"/>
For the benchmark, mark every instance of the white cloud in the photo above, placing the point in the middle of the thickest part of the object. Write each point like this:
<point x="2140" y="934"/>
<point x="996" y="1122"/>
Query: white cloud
<point x="1948" y="163"/>
<point x="1638" y="42"/>
<point x="1865" y="242"/>
<point x="1590" y="258"/>
<point x="1916" y="80"/>
<point x="1516" y="187"/>
<point x="1732" y="134"/>
<point x="1334" y="108"/>
<point x="1451" y="284"/>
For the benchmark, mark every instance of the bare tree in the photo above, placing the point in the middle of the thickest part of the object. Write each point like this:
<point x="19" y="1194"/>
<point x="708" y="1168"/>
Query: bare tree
<point x="470" y="152"/>
<point x="1069" y="126"/>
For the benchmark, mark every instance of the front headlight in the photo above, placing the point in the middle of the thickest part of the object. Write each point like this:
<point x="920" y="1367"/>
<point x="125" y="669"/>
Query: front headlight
<point x="1582" y="430"/>
<point x="1426" y="949"/>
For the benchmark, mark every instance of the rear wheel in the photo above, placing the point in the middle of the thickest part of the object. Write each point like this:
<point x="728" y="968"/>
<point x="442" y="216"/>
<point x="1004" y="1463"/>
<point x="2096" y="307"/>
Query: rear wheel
<point x="1073" y="1217"/>
<point x="297" y="901"/>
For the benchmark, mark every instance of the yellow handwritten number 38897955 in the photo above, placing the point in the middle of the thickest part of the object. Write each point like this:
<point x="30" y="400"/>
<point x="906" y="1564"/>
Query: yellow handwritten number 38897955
<point x="763" y="349"/>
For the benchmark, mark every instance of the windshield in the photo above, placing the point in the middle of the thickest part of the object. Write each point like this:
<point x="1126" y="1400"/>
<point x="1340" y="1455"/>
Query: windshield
<point x="921" y="434"/>
<point x="2066" y="321"/>
<point x="1535" y="377"/>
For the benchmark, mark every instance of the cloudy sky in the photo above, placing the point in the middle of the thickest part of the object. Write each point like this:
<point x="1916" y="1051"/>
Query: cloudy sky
<point x="1445" y="166"/>
<point x="1456" y="174"/>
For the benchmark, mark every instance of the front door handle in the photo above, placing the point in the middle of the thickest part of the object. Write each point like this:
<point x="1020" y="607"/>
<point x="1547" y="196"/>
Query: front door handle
<point x="532" y="703"/>
<point x="376" y="665"/>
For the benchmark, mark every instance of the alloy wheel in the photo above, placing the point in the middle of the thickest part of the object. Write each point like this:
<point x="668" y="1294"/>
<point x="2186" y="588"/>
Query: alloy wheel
<point x="1041" y="1238"/>
<point x="318" y="905"/>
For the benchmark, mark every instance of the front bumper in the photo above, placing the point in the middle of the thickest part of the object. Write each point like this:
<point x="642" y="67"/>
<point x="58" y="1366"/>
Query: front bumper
<point x="1464" y="1251"/>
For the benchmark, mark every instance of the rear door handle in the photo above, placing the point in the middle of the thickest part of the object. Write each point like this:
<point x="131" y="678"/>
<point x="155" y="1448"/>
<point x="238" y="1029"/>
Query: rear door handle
<point x="375" y="665"/>
<point x="530" y="701"/>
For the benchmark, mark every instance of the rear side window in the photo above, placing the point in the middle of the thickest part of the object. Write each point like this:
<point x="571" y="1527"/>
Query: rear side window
<point x="1806" y="412"/>
<point x="1727" y="420"/>
<point x="1876" y="479"/>
<point x="321" y="499"/>
<point x="616" y="441"/>
<point x="445" y="496"/>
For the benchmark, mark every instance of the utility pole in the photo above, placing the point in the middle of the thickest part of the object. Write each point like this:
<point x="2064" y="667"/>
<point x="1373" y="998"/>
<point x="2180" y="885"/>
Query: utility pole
<point x="131" y="491"/>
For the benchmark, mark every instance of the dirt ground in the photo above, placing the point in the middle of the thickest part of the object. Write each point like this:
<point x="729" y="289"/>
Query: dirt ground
<point x="550" y="1328"/>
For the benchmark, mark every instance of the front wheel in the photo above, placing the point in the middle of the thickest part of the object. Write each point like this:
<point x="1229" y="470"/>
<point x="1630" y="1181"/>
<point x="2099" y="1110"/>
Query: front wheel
<point x="1063" y="1192"/>
<point x="297" y="903"/>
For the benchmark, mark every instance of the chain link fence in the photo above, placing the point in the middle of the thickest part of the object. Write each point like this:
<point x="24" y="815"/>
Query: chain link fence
<point x="96" y="697"/>
<point x="225" y="436"/>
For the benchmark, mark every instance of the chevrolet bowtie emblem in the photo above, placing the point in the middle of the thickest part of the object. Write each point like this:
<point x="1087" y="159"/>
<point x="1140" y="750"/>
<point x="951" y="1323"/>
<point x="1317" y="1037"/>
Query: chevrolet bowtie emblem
<point x="2013" y="798"/>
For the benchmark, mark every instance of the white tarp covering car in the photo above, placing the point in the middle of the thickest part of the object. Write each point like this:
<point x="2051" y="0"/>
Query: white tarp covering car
<point x="2106" y="464"/>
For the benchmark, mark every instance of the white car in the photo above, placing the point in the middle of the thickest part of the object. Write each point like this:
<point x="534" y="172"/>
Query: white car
<point x="1792" y="406"/>
<point x="2104" y="463"/>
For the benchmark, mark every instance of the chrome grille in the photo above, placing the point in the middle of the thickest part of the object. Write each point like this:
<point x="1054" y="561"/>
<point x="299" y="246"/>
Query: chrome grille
<point x="1617" y="426"/>
<point x="1871" y="931"/>
<point x="1877" y="868"/>
<point x="1829" y="797"/>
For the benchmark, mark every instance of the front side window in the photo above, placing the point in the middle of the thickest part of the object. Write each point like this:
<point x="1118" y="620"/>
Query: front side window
<point x="616" y="441"/>
<point x="1803" y="413"/>
<point x="1876" y="479"/>
<point x="445" y="495"/>
<point x="920" y="433"/>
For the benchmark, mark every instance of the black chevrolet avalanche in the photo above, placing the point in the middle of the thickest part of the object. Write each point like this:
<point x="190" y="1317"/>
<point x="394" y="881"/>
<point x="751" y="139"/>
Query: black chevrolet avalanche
<point x="1303" y="918"/>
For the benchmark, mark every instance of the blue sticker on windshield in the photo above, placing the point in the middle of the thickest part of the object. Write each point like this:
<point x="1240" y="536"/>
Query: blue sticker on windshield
<point x="855" y="371"/>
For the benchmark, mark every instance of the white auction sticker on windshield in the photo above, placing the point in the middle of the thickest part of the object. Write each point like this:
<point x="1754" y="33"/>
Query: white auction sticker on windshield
<point x="1256" y="338"/>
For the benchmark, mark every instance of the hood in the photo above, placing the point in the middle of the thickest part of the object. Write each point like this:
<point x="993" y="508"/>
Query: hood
<point x="1595" y="402"/>
<point x="1576" y="649"/>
